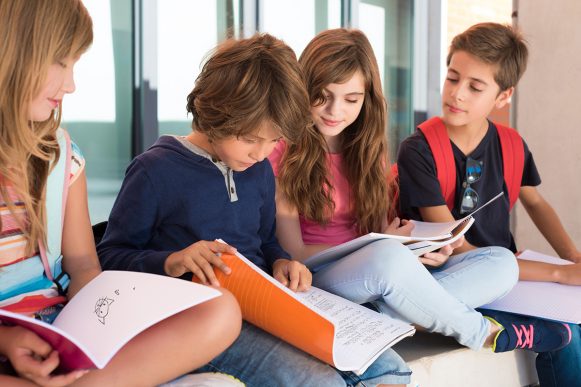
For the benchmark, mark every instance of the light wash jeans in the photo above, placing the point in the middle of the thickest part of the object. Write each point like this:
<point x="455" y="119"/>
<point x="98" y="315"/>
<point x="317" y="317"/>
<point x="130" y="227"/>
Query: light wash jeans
<point x="391" y="277"/>
<point x="260" y="360"/>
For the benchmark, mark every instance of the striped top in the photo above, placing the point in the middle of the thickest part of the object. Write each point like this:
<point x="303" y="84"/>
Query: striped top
<point x="12" y="240"/>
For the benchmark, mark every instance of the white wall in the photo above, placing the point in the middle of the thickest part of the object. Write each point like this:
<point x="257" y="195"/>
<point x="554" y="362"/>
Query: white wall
<point x="548" y="111"/>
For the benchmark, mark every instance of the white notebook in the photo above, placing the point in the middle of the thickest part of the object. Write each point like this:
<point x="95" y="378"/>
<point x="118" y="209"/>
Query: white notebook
<point x="542" y="299"/>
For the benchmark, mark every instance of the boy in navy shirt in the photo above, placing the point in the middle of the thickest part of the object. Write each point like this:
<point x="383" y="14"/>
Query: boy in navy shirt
<point x="484" y="65"/>
<point x="185" y="192"/>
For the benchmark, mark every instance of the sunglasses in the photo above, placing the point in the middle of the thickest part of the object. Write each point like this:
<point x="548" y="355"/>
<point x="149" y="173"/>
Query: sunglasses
<point x="469" y="197"/>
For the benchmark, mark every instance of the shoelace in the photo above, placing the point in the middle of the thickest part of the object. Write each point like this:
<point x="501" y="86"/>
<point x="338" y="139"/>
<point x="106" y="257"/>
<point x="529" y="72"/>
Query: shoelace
<point x="528" y="334"/>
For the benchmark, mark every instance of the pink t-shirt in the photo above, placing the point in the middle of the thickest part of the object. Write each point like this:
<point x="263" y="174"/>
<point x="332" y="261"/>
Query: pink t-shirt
<point x="341" y="227"/>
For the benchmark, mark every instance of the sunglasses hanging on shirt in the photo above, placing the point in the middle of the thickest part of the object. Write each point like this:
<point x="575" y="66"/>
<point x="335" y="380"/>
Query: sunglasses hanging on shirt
<point x="469" y="196"/>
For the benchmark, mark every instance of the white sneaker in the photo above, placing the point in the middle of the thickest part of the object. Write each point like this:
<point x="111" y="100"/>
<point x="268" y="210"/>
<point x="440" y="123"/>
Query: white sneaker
<point x="206" y="379"/>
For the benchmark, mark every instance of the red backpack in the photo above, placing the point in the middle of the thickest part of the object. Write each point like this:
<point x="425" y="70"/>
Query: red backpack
<point x="512" y="158"/>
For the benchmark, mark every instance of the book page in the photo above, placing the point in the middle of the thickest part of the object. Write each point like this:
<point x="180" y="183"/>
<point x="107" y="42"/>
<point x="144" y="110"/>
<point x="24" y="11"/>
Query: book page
<point x="359" y="331"/>
<point x="542" y="299"/>
<point x="117" y="305"/>
<point x="336" y="331"/>
<point x="432" y="231"/>
<point x="539" y="257"/>
<point x="420" y="242"/>
<point x="423" y="247"/>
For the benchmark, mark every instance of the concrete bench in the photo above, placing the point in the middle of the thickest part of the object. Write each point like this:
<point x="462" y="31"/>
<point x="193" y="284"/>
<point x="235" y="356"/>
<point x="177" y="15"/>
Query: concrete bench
<point x="439" y="361"/>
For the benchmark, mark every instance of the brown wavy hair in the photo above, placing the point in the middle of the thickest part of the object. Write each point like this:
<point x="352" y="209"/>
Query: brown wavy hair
<point x="246" y="82"/>
<point x="34" y="34"/>
<point x="497" y="44"/>
<point x="333" y="56"/>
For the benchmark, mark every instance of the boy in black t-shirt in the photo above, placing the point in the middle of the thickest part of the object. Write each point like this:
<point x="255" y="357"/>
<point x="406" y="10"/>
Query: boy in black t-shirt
<point x="484" y="65"/>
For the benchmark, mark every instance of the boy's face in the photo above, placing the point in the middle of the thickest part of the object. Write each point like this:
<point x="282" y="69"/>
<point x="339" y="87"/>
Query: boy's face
<point x="240" y="153"/>
<point x="470" y="91"/>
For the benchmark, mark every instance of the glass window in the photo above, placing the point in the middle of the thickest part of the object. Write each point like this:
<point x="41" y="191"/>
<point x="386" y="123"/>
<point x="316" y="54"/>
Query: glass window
<point x="98" y="114"/>
<point x="186" y="31"/>
<point x="297" y="22"/>
<point x="388" y="25"/>
<point x="176" y="36"/>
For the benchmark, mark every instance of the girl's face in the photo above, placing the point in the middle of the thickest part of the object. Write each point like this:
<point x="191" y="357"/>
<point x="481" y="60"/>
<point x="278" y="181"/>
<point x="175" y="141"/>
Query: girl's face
<point x="342" y="106"/>
<point x="240" y="153"/>
<point x="59" y="81"/>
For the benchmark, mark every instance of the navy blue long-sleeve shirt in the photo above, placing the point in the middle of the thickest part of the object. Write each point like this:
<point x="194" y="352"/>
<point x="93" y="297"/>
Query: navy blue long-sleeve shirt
<point x="172" y="197"/>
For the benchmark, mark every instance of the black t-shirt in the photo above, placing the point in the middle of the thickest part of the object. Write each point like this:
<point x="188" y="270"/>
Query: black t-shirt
<point x="419" y="185"/>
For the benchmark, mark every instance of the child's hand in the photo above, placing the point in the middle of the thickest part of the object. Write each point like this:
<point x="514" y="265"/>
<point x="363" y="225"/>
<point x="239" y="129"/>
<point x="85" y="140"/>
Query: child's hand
<point x="292" y="274"/>
<point x="399" y="226"/>
<point x="199" y="258"/>
<point x="440" y="257"/>
<point x="34" y="359"/>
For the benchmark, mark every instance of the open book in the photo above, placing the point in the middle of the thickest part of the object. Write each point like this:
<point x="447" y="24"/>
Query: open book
<point x="424" y="238"/>
<point x="108" y="312"/>
<point x="548" y="300"/>
<point x="337" y="331"/>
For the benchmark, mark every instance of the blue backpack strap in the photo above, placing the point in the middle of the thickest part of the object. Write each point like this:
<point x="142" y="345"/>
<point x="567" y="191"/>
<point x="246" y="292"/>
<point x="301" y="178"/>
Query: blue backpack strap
<point x="56" y="198"/>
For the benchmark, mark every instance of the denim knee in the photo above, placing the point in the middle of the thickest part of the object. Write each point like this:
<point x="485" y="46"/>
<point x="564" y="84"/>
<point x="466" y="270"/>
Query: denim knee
<point x="388" y="368"/>
<point x="505" y="266"/>
<point x="260" y="359"/>
<point x="390" y="261"/>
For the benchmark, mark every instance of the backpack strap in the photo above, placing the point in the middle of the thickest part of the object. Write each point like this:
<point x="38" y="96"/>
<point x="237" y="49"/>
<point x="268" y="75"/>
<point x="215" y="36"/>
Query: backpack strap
<point x="437" y="137"/>
<point x="513" y="160"/>
<point x="57" y="189"/>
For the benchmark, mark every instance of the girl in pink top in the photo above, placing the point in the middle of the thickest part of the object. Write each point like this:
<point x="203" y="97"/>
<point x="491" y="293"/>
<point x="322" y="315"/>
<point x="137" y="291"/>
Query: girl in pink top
<point x="335" y="185"/>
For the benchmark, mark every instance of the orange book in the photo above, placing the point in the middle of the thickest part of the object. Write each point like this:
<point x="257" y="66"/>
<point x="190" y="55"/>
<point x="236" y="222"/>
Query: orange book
<point x="337" y="331"/>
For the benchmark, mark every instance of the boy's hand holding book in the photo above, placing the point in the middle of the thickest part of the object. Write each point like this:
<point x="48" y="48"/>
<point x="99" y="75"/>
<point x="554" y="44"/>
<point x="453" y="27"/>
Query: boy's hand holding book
<point x="292" y="274"/>
<point x="199" y="258"/>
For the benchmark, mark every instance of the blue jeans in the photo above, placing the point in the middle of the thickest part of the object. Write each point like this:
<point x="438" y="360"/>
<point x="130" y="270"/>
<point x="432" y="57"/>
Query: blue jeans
<point x="562" y="367"/>
<point x="391" y="277"/>
<point x="260" y="359"/>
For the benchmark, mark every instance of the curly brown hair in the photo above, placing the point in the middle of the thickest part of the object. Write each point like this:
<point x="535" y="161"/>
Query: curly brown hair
<point x="496" y="44"/>
<point x="247" y="82"/>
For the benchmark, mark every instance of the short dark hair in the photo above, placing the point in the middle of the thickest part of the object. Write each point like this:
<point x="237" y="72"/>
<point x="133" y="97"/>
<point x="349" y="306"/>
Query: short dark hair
<point x="497" y="44"/>
<point x="246" y="82"/>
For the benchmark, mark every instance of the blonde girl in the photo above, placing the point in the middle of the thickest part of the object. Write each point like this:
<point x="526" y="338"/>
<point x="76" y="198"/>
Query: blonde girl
<point x="48" y="252"/>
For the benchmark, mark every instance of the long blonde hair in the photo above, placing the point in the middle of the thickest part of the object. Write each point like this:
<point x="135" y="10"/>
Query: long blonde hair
<point x="333" y="56"/>
<point x="34" y="34"/>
